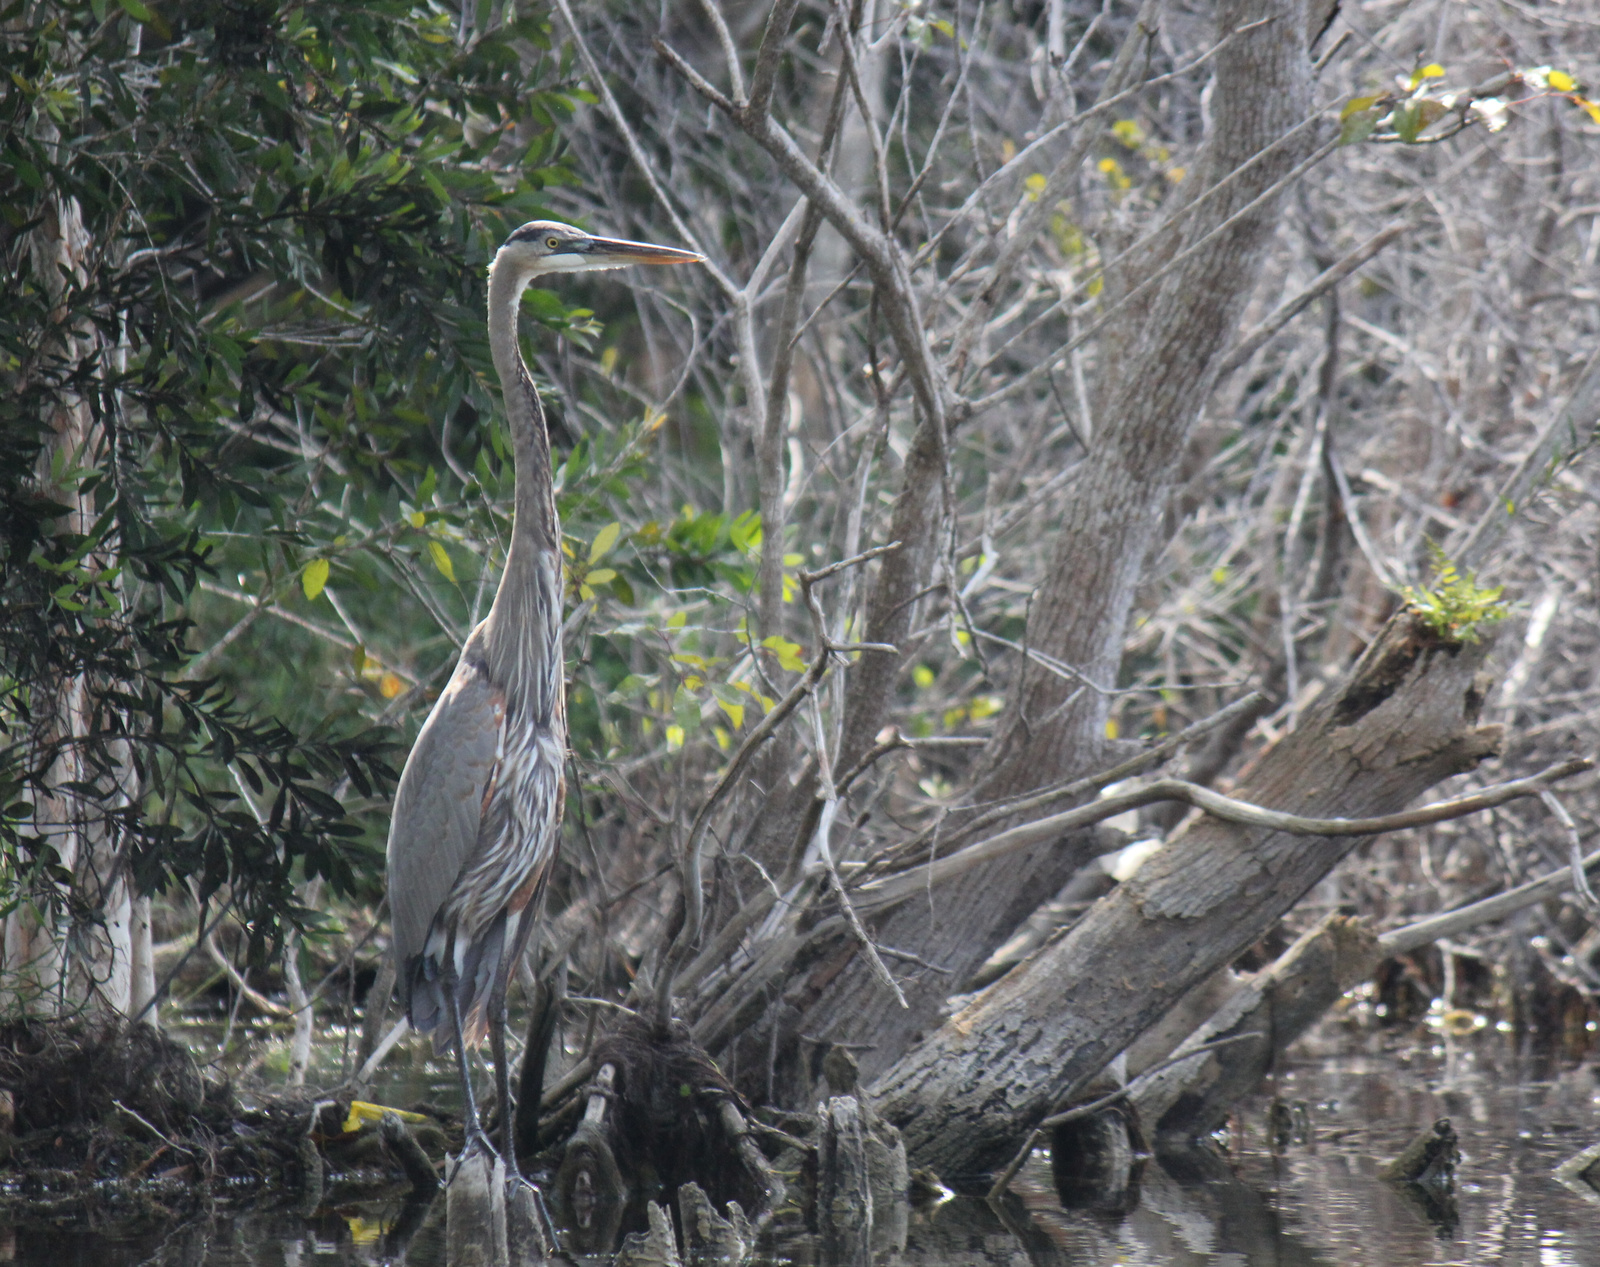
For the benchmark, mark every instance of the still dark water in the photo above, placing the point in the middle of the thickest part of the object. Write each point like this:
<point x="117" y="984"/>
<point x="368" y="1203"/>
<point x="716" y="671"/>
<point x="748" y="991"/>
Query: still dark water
<point x="1518" y="1115"/>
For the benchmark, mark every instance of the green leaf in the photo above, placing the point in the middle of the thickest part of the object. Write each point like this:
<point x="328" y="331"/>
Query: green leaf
<point x="1355" y="105"/>
<point x="314" y="578"/>
<point x="1408" y="121"/>
<point x="441" y="560"/>
<point x="136" y="11"/>
<point x="1358" y="127"/>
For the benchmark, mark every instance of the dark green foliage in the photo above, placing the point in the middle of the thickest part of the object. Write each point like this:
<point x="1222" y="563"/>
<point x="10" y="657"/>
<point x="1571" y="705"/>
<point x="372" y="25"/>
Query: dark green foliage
<point x="287" y="211"/>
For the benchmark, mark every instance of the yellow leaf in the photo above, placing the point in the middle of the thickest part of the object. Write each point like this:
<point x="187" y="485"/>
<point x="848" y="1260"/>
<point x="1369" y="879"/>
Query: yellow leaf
<point x="417" y="518"/>
<point x="1561" y="81"/>
<point x="1035" y="186"/>
<point x="600" y="576"/>
<point x="788" y="653"/>
<point x="723" y="738"/>
<point x="735" y="712"/>
<point x="793" y="560"/>
<point x="389" y="686"/>
<point x="922" y="675"/>
<point x="441" y="560"/>
<point x="1432" y="71"/>
<point x="677" y="619"/>
<point x="603" y="541"/>
<point x="1111" y="728"/>
<point x="1128" y="132"/>
<point x="985" y="706"/>
<point x="314" y="578"/>
<point x="585" y="593"/>
<point x="363" y="1232"/>
<point x="674" y="738"/>
<point x="1355" y="106"/>
<point x="361" y="1111"/>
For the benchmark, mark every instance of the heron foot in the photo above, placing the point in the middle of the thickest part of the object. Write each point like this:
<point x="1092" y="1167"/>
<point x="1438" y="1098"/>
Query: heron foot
<point x="476" y="1144"/>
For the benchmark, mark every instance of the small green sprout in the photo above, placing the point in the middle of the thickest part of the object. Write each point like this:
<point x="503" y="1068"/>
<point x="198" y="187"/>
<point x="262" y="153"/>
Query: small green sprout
<point x="1455" y="606"/>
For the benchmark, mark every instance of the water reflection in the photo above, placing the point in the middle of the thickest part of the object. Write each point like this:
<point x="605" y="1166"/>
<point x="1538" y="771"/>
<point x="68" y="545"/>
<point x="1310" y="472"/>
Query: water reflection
<point x="1317" y="1200"/>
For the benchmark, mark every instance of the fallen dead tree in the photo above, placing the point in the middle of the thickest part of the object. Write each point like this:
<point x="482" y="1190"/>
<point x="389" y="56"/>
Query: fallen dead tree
<point x="1405" y="718"/>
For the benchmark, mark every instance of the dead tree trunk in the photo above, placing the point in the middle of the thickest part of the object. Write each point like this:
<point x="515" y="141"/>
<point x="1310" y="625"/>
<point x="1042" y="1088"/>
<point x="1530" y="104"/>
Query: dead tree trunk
<point x="1405" y="718"/>
<point x="1081" y="616"/>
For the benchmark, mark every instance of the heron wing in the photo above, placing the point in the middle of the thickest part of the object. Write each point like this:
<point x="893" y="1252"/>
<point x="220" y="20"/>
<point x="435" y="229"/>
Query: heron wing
<point x="438" y="804"/>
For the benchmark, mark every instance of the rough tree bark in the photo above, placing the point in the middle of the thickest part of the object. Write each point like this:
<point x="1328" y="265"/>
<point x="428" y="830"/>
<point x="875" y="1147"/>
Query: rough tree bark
<point x="1405" y="718"/>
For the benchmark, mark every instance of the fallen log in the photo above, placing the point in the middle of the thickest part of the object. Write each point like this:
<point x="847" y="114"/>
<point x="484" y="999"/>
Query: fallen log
<point x="1405" y="718"/>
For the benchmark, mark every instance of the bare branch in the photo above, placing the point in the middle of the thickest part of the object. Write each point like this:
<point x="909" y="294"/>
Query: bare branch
<point x="875" y="895"/>
<point x="1285" y="312"/>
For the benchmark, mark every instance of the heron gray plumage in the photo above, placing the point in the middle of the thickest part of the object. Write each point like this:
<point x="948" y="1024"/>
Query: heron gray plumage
<point x="477" y="814"/>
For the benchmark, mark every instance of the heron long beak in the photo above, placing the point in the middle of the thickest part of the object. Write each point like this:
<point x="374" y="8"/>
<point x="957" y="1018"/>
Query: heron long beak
<point x="616" y="252"/>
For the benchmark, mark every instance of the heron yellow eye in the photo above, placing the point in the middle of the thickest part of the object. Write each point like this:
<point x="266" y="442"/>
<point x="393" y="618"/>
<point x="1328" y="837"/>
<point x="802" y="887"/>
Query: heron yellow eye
<point x="552" y="243"/>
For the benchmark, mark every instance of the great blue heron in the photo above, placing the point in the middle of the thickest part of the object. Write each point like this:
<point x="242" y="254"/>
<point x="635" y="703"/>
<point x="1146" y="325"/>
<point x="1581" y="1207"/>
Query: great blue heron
<point x="477" y="814"/>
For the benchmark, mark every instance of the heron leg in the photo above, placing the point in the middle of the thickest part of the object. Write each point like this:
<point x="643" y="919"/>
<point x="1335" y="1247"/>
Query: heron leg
<point x="499" y="1011"/>
<point x="472" y="1129"/>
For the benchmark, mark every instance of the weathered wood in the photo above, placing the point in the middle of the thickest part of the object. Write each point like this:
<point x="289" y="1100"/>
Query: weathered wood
<point x="528" y="1240"/>
<point x="1280" y="1003"/>
<point x="1580" y="1174"/>
<point x="1405" y="718"/>
<point x="590" y="1184"/>
<point x="475" y="1212"/>
<point x="708" y="1236"/>
<point x="656" y="1248"/>
<point x="844" y="1190"/>
<point x="763" y="1178"/>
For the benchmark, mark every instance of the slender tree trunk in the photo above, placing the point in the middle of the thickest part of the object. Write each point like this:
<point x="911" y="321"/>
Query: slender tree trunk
<point x="36" y="972"/>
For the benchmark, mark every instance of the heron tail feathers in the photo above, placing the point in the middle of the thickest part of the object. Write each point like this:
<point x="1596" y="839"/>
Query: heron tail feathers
<point x="470" y="966"/>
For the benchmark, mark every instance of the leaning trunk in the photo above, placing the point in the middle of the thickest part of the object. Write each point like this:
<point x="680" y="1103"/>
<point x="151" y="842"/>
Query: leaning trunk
<point x="1405" y="718"/>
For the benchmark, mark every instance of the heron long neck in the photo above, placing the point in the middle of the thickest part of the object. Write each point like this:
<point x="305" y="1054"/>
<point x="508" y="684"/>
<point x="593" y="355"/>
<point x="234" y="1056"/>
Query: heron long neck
<point x="522" y="635"/>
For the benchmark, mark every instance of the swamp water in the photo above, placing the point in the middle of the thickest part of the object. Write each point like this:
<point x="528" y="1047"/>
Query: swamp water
<point x="1343" y="1111"/>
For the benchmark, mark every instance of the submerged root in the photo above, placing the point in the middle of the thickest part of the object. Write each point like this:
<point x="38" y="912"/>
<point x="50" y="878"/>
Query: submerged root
<point x="659" y="1115"/>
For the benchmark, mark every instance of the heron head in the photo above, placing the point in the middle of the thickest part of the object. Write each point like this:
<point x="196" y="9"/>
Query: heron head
<point x="547" y="246"/>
